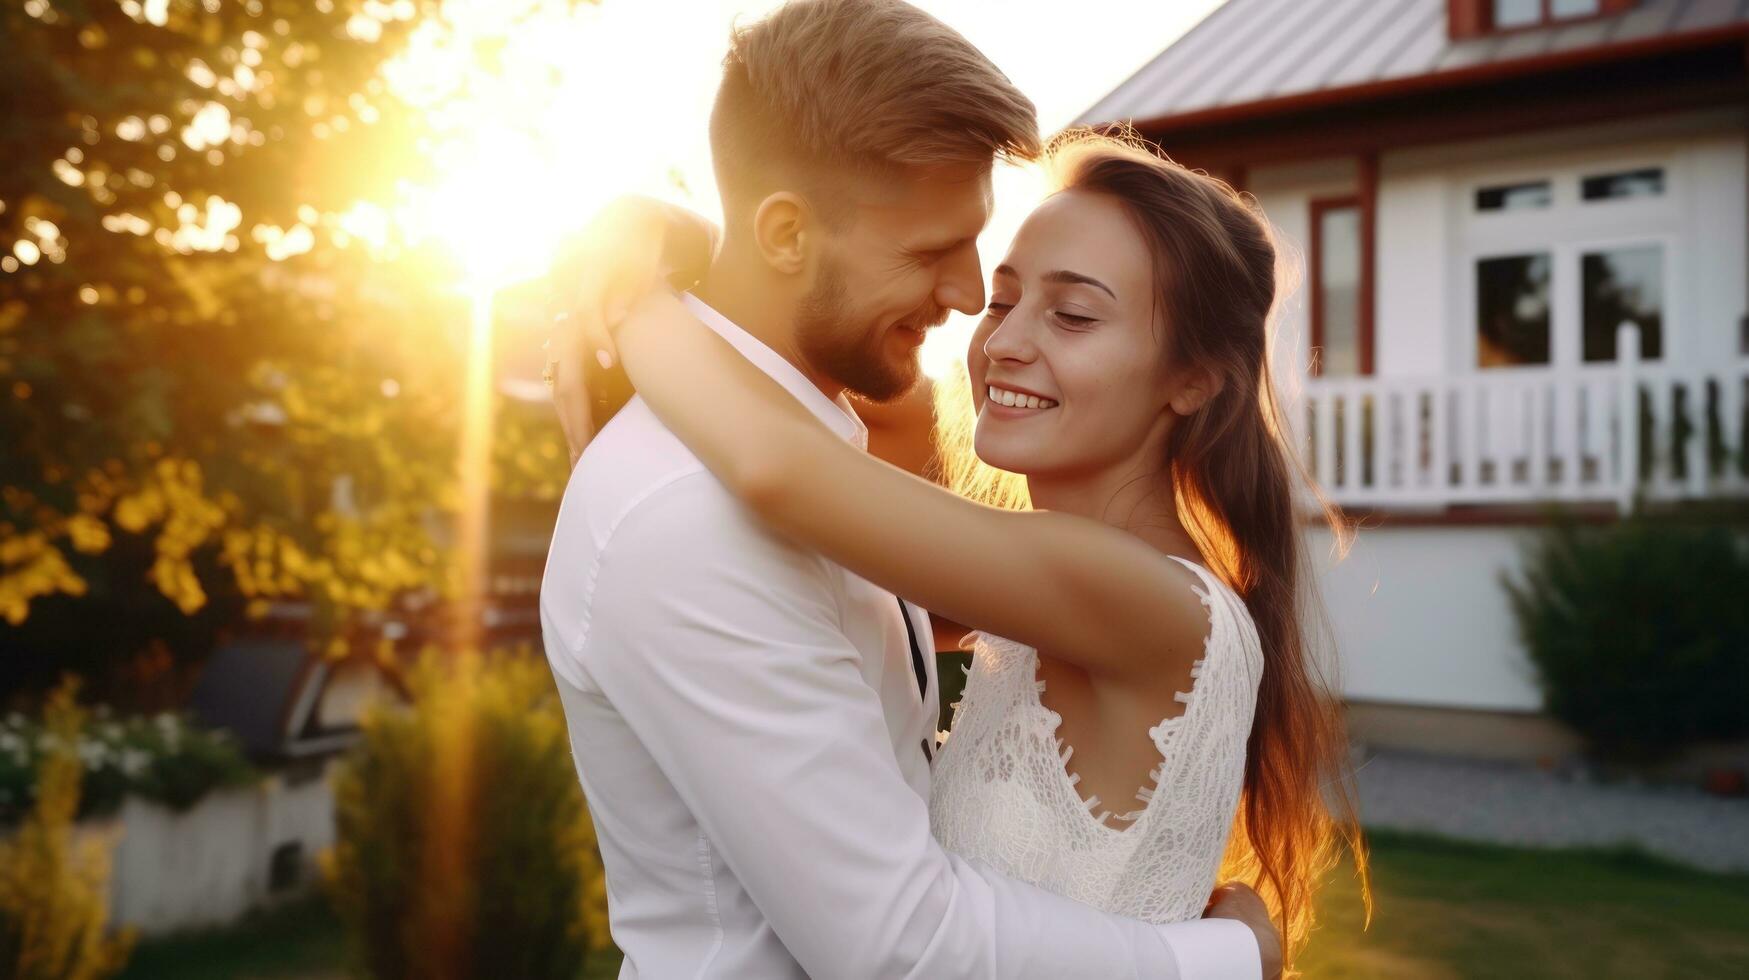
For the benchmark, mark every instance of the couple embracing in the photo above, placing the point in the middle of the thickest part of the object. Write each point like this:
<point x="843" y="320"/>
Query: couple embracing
<point x="734" y="601"/>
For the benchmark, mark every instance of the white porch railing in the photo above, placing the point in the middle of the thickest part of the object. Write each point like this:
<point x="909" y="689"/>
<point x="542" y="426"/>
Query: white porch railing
<point x="1531" y="435"/>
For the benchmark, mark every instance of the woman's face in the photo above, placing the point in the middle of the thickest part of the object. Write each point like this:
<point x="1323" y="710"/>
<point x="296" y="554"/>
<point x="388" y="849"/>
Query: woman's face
<point x="1067" y="367"/>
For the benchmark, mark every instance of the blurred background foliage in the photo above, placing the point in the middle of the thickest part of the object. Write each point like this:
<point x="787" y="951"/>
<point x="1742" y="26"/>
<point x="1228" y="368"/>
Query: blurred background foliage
<point x="163" y="757"/>
<point x="1639" y="632"/>
<point x="54" y="898"/>
<point x="227" y="375"/>
<point x="463" y="848"/>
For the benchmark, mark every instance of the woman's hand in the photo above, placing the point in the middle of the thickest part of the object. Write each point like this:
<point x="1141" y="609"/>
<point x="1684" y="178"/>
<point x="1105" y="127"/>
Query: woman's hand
<point x="1238" y="901"/>
<point x="631" y="248"/>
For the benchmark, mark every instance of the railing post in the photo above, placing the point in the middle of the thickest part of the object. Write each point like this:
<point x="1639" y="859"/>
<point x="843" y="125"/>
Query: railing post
<point x="1627" y="357"/>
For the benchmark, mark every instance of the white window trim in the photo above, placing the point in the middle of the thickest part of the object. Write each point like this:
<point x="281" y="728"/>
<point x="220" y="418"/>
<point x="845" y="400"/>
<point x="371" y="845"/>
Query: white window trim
<point x="1566" y="228"/>
<point x="1566" y="297"/>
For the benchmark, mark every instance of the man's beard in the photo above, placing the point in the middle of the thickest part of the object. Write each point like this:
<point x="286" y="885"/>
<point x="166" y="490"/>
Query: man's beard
<point x="851" y="354"/>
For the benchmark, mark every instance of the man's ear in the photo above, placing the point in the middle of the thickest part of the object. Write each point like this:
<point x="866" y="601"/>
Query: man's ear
<point x="1196" y="386"/>
<point x="783" y="228"/>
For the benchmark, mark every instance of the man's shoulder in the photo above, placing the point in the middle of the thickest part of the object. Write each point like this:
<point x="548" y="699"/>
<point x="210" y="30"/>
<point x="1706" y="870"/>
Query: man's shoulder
<point x="640" y="513"/>
<point x="631" y="461"/>
<point x="638" y="483"/>
<point x="642" y="518"/>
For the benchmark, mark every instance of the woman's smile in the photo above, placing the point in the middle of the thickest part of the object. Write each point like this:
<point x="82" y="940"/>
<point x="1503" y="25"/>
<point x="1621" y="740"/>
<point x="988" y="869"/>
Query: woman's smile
<point x="1020" y="403"/>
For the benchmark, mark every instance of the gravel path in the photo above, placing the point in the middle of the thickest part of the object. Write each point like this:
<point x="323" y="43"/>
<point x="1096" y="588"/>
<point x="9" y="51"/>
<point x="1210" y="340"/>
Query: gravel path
<point x="1521" y="806"/>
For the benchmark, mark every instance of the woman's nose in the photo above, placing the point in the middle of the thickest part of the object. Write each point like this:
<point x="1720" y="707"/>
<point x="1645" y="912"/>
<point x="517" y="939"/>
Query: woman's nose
<point x="1012" y="340"/>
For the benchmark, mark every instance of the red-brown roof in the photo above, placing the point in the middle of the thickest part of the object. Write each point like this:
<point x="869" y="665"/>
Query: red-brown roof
<point x="1252" y="54"/>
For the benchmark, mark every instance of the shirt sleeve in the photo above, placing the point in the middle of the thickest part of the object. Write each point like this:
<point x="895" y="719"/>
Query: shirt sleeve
<point x="1215" y="949"/>
<point x="721" y="647"/>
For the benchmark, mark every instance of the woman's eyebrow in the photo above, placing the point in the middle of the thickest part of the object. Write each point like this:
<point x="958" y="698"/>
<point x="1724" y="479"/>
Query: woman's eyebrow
<point x="1076" y="278"/>
<point x="1062" y="276"/>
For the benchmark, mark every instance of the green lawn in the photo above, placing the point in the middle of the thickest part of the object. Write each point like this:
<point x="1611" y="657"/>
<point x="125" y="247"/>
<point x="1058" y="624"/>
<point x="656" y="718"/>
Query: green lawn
<point x="297" y="942"/>
<point x="1446" y="909"/>
<point x="302" y="940"/>
<point x="1443" y="910"/>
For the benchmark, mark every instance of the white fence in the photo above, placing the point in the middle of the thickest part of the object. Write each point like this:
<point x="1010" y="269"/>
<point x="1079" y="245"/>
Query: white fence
<point x="1530" y="435"/>
<point x="208" y="865"/>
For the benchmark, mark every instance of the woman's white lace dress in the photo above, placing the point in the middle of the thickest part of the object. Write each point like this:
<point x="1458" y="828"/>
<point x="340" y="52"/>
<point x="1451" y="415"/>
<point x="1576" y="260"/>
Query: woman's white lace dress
<point x="1003" y="796"/>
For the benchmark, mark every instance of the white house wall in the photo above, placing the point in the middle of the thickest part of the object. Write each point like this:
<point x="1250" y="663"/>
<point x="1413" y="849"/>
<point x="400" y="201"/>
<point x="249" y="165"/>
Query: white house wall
<point x="1420" y="617"/>
<point x="1717" y="272"/>
<point x="1410" y="280"/>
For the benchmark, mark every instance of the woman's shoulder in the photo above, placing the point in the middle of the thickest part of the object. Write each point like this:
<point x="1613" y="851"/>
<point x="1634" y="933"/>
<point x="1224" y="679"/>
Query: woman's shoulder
<point x="1196" y="577"/>
<point x="1227" y="620"/>
<point x="1189" y="594"/>
<point x="1201" y="619"/>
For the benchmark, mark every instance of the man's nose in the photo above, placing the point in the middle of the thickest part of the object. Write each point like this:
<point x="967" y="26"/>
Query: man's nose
<point x="960" y="285"/>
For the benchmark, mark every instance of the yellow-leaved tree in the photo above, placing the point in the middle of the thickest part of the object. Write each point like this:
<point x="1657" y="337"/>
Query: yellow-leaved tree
<point x="225" y="377"/>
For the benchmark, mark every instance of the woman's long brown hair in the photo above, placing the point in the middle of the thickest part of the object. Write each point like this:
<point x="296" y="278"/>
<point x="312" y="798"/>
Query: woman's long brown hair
<point x="1242" y="493"/>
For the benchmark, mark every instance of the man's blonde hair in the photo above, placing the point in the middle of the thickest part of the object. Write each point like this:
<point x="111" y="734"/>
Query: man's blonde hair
<point x="822" y="87"/>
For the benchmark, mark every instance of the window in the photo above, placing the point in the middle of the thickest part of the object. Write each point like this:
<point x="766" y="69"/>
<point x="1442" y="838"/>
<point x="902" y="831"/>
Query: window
<point x="1619" y="285"/>
<point x="1512" y="310"/>
<point x="1560" y="260"/>
<point x="1517" y="13"/>
<point x="1514" y="197"/>
<point x="1509" y="14"/>
<point x="1648" y="182"/>
<point x="1336" y="288"/>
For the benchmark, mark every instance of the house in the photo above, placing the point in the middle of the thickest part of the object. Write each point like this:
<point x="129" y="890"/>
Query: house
<point x="1517" y="223"/>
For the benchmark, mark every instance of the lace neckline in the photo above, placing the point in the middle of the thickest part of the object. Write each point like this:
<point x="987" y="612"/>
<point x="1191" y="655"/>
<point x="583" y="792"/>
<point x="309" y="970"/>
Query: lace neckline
<point x="1161" y="733"/>
<point x="996" y="798"/>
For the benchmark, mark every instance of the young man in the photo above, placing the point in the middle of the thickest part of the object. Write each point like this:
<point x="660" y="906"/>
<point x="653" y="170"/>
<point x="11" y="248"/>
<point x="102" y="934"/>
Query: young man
<point x="752" y="724"/>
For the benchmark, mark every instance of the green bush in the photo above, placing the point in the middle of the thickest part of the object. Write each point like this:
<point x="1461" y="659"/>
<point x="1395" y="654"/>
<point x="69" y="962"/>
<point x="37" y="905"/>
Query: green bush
<point x="54" y="890"/>
<point x="463" y="846"/>
<point x="1639" y="633"/>
<point x="159" y="757"/>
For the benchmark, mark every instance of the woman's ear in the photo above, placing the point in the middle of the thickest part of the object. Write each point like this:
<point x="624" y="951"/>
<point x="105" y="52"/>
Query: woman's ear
<point x="1197" y="386"/>
<point x="783" y="231"/>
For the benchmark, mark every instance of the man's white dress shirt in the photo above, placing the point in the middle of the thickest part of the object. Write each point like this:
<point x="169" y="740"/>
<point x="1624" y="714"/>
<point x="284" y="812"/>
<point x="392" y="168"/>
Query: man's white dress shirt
<point x="748" y="730"/>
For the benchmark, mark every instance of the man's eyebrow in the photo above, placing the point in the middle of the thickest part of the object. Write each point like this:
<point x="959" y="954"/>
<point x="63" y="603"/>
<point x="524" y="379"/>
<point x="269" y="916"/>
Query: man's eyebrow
<point x="1062" y="276"/>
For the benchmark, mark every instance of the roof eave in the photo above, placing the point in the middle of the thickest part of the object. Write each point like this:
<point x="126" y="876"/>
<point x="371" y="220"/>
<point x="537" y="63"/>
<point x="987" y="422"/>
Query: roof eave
<point x="1434" y="81"/>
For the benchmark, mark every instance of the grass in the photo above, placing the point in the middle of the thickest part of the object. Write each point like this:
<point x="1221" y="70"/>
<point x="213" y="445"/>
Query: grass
<point x="301" y="941"/>
<point x="1443" y="910"/>
<point x="1448" y="909"/>
<point x="295" y="940"/>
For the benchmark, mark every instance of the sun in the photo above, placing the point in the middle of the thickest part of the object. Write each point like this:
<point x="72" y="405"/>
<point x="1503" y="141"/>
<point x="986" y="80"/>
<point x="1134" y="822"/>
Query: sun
<point x="546" y="109"/>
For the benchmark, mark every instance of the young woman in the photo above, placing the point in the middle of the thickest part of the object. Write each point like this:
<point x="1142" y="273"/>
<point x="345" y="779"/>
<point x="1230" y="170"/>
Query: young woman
<point x="1142" y="631"/>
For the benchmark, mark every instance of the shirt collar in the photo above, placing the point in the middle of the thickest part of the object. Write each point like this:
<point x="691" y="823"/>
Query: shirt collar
<point x="837" y="413"/>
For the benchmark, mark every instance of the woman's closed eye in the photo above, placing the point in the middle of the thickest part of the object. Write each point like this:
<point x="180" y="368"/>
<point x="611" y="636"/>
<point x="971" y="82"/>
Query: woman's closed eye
<point x="1074" y="321"/>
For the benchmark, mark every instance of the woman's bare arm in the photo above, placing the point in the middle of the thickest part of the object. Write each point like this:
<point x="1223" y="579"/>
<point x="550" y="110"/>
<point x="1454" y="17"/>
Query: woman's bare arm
<point x="1085" y="592"/>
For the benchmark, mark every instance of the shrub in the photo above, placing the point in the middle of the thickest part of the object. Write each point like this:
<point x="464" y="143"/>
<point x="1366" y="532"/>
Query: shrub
<point x="463" y="848"/>
<point x="160" y="757"/>
<point x="54" y="891"/>
<point x="1639" y="633"/>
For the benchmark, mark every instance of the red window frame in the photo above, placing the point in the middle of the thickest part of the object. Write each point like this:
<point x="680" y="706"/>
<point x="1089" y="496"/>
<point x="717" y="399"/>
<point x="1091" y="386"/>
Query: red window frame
<point x="1471" y="18"/>
<point x="1365" y="201"/>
